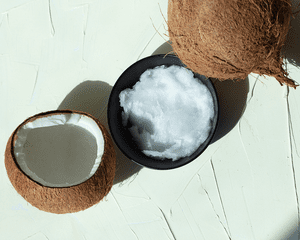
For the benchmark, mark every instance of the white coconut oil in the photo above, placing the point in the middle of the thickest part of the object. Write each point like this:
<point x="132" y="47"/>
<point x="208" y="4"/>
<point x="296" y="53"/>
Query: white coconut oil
<point x="169" y="110"/>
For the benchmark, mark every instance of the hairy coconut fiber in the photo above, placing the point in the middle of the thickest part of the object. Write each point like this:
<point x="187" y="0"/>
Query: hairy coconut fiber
<point x="230" y="39"/>
<point x="63" y="199"/>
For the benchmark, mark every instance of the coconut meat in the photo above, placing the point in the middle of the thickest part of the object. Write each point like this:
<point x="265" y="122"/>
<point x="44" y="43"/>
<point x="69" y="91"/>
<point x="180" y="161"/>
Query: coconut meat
<point x="59" y="150"/>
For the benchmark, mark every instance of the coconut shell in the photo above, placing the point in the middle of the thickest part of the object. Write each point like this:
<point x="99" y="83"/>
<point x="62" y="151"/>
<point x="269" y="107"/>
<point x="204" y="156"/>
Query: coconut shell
<point x="63" y="199"/>
<point x="230" y="39"/>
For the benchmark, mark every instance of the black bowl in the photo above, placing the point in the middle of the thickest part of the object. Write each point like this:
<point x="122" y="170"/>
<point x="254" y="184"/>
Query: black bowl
<point x="121" y="134"/>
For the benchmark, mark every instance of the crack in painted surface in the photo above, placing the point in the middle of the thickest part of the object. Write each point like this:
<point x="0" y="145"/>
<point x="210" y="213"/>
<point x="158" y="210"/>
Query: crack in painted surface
<point x="168" y="224"/>
<point x="34" y="87"/>
<point x="214" y="207"/>
<point x="247" y="156"/>
<point x="118" y="204"/>
<point x="185" y="188"/>
<point x="14" y="7"/>
<point x="86" y="19"/>
<point x="291" y="137"/>
<point x="291" y="130"/>
<point x="252" y="91"/>
<point x="195" y="221"/>
<point x="211" y="162"/>
<point x="84" y="32"/>
<point x="193" y="177"/>
<point x="247" y="209"/>
<point x="147" y="43"/>
<point x="51" y="20"/>
<point x="1" y="20"/>
<point x="134" y="233"/>
<point x="187" y="218"/>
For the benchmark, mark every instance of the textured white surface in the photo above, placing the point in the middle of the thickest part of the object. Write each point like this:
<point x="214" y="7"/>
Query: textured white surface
<point x="57" y="54"/>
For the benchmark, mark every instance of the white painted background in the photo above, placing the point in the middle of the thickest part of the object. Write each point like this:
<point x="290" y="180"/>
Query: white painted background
<point x="69" y="53"/>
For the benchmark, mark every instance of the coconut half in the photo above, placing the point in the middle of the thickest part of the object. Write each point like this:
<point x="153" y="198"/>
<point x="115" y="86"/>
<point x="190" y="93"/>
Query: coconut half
<point x="61" y="161"/>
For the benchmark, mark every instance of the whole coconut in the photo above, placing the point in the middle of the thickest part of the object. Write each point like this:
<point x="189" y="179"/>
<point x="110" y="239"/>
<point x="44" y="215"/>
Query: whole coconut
<point x="230" y="39"/>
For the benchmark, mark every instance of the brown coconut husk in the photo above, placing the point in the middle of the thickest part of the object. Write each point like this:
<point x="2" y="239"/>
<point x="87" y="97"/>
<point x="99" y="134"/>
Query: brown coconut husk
<point x="230" y="39"/>
<point x="63" y="199"/>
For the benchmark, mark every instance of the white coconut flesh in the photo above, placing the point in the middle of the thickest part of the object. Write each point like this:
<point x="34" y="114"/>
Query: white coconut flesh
<point x="60" y="150"/>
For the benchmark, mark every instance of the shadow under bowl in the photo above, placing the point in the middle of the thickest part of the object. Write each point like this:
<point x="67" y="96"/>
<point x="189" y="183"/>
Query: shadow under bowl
<point x="122" y="135"/>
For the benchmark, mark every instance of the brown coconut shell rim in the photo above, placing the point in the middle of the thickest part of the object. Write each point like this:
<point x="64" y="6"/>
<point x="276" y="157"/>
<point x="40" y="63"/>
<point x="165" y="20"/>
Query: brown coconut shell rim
<point x="63" y="199"/>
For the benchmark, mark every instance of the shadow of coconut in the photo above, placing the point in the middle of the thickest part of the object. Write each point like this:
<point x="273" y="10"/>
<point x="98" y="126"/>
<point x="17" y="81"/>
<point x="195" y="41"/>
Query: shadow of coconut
<point x="92" y="97"/>
<point x="291" y="48"/>
<point x="232" y="103"/>
<point x="295" y="236"/>
<point x="232" y="97"/>
<point x="287" y="234"/>
<point x="164" y="49"/>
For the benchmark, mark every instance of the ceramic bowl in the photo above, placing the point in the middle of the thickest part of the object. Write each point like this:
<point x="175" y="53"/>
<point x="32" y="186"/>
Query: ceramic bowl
<point x="121" y="134"/>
